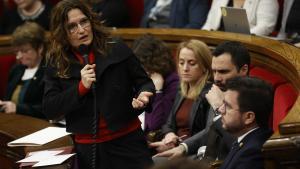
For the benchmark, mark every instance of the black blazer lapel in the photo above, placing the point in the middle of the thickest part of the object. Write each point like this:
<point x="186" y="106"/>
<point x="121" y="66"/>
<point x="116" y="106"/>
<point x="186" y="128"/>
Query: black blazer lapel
<point x="194" y="110"/>
<point x="199" y="102"/>
<point x="117" y="53"/>
<point x="14" y="80"/>
<point x="75" y="67"/>
<point x="178" y="100"/>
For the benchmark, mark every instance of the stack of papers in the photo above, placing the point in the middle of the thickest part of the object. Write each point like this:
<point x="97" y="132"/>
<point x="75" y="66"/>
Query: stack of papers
<point x="40" y="137"/>
<point x="45" y="158"/>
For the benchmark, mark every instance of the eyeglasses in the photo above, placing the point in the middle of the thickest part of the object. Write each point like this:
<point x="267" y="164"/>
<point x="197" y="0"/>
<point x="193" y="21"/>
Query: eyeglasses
<point x="227" y="107"/>
<point x="74" y="27"/>
<point x="22" y="49"/>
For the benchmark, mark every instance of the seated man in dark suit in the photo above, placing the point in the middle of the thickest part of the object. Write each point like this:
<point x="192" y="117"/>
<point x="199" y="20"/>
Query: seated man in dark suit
<point x="230" y="59"/>
<point x="245" y="114"/>
<point x="189" y="14"/>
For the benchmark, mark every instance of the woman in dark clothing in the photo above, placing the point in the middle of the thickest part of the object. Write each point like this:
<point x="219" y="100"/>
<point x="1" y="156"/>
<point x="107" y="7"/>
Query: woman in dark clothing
<point x="157" y="59"/>
<point x="189" y="113"/>
<point x="100" y="88"/>
<point x="25" y="87"/>
<point x="27" y="10"/>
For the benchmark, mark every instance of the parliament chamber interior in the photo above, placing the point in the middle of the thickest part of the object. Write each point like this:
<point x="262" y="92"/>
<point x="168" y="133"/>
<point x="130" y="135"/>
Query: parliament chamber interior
<point x="274" y="61"/>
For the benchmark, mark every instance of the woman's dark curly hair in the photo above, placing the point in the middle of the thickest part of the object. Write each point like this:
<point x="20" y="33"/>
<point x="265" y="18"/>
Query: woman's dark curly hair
<point x="57" y="54"/>
<point x="154" y="55"/>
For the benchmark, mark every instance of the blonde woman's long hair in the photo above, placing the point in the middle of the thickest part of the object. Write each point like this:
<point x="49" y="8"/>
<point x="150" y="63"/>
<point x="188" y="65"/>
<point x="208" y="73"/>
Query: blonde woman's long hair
<point x="203" y="57"/>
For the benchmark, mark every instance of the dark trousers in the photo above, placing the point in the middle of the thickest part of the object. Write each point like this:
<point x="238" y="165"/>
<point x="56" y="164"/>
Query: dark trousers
<point x="127" y="152"/>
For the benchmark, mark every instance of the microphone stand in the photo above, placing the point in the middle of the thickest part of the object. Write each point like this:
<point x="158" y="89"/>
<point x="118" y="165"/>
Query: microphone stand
<point x="83" y="49"/>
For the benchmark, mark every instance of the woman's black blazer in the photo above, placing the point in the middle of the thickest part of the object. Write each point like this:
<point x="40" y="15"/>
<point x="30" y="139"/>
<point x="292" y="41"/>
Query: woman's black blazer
<point x="120" y="77"/>
<point x="32" y="103"/>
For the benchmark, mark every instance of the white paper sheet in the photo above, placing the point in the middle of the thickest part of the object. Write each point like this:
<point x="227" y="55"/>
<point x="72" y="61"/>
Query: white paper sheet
<point x="58" y="159"/>
<point x="39" y="156"/>
<point x="40" y="137"/>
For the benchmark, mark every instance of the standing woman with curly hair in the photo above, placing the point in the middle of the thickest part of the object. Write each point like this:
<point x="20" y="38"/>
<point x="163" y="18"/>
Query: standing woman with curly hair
<point x="99" y="87"/>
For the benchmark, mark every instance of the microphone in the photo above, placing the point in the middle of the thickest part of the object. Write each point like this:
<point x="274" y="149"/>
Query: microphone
<point x="84" y="50"/>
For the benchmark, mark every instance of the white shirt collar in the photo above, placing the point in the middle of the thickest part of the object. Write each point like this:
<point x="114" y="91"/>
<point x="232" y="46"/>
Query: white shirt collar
<point x="30" y="73"/>
<point x="217" y="117"/>
<point x="244" y="135"/>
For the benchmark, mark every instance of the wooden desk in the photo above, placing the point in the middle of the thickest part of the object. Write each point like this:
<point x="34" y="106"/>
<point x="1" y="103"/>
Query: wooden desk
<point x="14" y="126"/>
<point x="281" y="150"/>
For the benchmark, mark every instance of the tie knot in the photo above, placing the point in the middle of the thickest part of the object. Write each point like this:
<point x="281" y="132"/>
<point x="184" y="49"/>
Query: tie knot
<point x="235" y="145"/>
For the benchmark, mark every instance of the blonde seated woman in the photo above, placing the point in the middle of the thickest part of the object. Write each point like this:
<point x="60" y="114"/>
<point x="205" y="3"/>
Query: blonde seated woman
<point x="190" y="111"/>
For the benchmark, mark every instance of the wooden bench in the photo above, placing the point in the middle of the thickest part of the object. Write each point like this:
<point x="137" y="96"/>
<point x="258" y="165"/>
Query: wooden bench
<point x="282" y="150"/>
<point x="276" y="58"/>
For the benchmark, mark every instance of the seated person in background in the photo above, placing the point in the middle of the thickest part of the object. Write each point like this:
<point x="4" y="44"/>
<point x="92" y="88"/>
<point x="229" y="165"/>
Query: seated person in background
<point x="1" y="8"/>
<point x="262" y="15"/>
<point x="27" y="10"/>
<point x="157" y="60"/>
<point x="114" y="13"/>
<point x="189" y="114"/>
<point x="174" y="13"/>
<point x="24" y="92"/>
<point x="245" y="112"/>
<point x="230" y="59"/>
<point x="290" y="27"/>
<point x="183" y="163"/>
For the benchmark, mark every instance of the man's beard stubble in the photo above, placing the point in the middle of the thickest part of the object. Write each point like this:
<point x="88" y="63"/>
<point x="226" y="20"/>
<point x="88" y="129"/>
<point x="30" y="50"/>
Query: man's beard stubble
<point x="220" y="85"/>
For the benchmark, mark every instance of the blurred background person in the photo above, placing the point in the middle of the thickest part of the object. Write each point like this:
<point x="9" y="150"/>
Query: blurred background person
<point x="230" y="59"/>
<point x="246" y="110"/>
<point x="174" y="13"/>
<point x="189" y="113"/>
<point x="114" y="13"/>
<point x="1" y="8"/>
<point x="26" y="10"/>
<point x="24" y="92"/>
<point x="157" y="60"/>
<point x="290" y="27"/>
<point x="262" y="15"/>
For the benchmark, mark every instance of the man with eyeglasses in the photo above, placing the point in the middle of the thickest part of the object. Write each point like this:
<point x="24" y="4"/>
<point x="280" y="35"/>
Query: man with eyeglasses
<point x="230" y="59"/>
<point x="245" y="112"/>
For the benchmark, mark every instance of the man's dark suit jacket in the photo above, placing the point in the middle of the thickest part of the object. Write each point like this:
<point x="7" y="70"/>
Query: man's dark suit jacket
<point x="218" y="143"/>
<point x="249" y="155"/>
<point x="183" y="14"/>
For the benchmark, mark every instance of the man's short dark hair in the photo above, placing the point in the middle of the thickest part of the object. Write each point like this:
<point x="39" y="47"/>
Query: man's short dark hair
<point x="239" y="53"/>
<point x="254" y="95"/>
